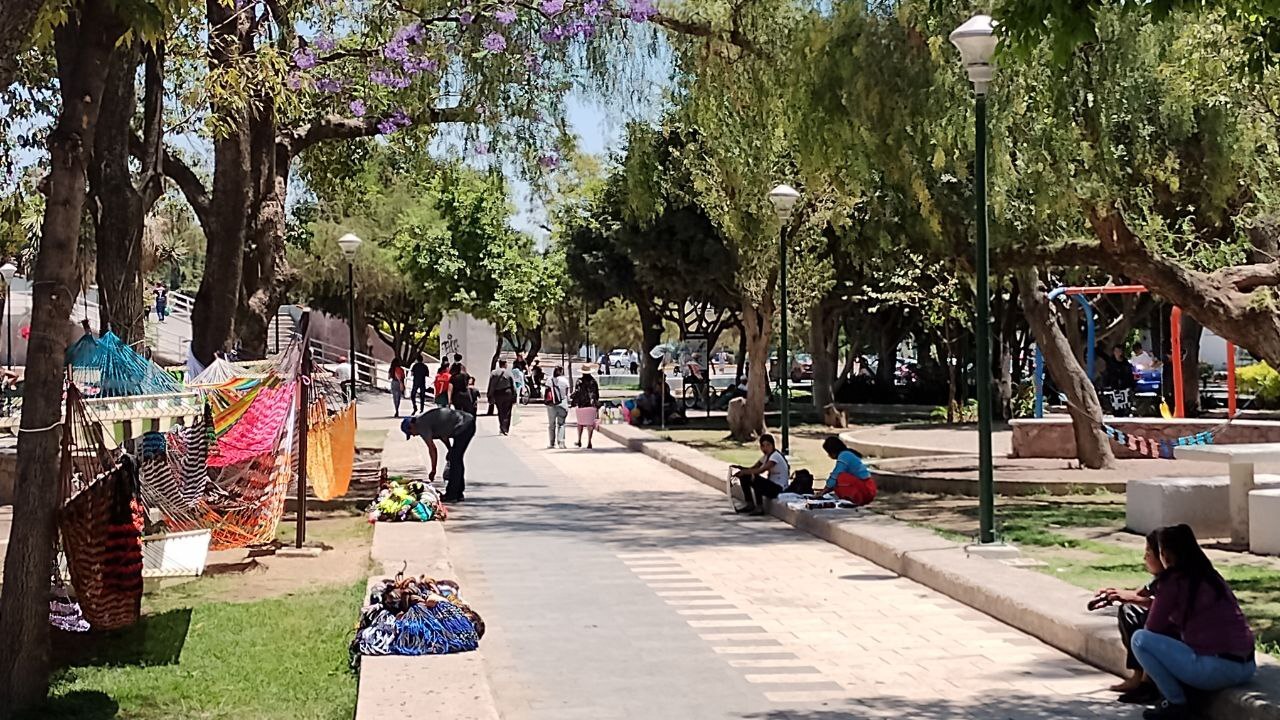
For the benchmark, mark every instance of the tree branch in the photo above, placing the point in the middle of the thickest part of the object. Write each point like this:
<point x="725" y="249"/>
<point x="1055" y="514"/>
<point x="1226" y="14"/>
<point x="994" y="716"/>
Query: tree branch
<point x="186" y="179"/>
<point x="733" y="36"/>
<point x="337" y="127"/>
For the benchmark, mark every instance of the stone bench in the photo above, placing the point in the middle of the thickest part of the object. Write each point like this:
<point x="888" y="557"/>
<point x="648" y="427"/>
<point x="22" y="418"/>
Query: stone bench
<point x="1204" y="503"/>
<point x="1264" y="521"/>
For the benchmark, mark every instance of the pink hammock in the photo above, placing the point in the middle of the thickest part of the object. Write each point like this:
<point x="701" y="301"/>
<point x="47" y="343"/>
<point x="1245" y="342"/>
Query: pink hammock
<point x="259" y="430"/>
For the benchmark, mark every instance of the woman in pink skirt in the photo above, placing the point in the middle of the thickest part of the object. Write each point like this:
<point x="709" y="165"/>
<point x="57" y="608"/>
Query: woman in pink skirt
<point x="586" y="401"/>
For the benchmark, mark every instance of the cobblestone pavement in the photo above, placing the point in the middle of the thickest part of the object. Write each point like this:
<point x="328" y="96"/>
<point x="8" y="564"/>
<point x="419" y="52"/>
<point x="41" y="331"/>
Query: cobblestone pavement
<point x="615" y="587"/>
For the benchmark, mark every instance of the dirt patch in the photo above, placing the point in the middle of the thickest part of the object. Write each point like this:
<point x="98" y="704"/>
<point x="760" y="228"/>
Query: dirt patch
<point x="251" y="574"/>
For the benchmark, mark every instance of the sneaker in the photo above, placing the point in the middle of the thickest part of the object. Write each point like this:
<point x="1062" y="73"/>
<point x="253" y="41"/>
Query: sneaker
<point x="1167" y="711"/>
<point x="748" y="510"/>
<point x="1144" y="694"/>
<point x="578" y="444"/>
<point x="561" y="446"/>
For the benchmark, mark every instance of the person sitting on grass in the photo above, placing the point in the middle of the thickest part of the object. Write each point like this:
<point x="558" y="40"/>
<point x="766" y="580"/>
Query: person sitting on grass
<point x="766" y="479"/>
<point x="849" y="479"/>
<point x="1196" y="635"/>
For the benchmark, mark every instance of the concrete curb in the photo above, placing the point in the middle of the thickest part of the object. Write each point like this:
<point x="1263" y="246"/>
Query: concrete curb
<point x="395" y="687"/>
<point x="1037" y="604"/>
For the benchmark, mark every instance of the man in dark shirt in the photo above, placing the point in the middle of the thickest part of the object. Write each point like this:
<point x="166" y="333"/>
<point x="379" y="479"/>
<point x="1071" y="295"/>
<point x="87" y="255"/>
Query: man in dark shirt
<point x="454" y="428"/>
<point x="502" y="395"/>
<point x="418" y="396"/>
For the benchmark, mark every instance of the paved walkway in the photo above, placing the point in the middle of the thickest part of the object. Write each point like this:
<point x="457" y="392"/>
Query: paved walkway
<point x="614" y="587"/>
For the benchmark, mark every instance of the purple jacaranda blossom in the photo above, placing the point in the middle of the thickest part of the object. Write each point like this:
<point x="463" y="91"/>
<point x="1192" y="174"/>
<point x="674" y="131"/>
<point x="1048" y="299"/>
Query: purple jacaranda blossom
<point x="584" y="28"/>
<point x="397" y="120"/>
<point x="388" y="79"/>
<point x="505" y="16"/>
<point x="533" y="64"/>
<point x="304" y="59"/>
<point x="411" y="34"/>
<point x="641" y="10"/>
<point x="357" y="108"/>
<point x="323" y="43"/>
<point x="592" y="8"/>
<point x="481" y="148"/>
<point x="395" y="50"/>
<point x="554" y="34"/>
<point x="329" y="85"/>
<point x="552" y="7"/>
<point x="466" y="18"/>
<point x="415" y="65"/>
<point x="293" y="81"/>
<point x="386" y="127"/>
<point x="549" y="161"/>
<point x="494" y="42"/>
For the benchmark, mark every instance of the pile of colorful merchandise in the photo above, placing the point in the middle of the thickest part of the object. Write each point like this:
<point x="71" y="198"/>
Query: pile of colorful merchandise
<point x="401" y="500"/>
<point x="415" y="616"/>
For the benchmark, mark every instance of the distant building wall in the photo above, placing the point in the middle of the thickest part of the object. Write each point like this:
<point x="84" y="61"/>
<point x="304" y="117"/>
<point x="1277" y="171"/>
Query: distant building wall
<point x="474" y="338"/>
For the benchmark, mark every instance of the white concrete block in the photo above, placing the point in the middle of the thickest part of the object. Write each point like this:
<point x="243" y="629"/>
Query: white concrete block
<point x="1264" y="521"/>
<point x="1201" y="502"/>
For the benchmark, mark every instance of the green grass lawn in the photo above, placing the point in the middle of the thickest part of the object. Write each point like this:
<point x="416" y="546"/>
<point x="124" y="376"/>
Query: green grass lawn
<point x="806" y="446"/>
<point x="279" y="659"/>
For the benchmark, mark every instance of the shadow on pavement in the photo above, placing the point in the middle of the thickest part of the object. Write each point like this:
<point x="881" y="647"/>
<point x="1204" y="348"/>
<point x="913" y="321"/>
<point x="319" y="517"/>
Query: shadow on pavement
<point x="1007" y="707"/>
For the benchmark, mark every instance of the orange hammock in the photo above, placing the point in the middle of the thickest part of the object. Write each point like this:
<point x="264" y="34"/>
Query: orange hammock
<point x="331" y="449"/>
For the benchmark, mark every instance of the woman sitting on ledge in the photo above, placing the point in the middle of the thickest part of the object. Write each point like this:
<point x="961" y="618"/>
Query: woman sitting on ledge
<point x="1194" y="603"/>
<point x="850" y="479"/>
<point x="1134" y="609"/>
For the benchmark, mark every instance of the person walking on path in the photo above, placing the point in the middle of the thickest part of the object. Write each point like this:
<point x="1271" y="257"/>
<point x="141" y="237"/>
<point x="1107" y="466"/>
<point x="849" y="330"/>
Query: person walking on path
<point x="162" y="301"/>
<point x="557" y="399"/>
<point x="397" y="384"/>
<point x="418" y="372"/>
<point x="460" y="395"/>
<point x="455" y="428"/>
<point x="502" y="393"/>
<point x="1196" y="635"/>
<point x="586" y="400"/>
<point x="440" y="386"/>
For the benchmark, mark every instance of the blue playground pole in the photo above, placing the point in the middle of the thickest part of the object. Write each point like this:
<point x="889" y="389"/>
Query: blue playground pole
<point x="1090" y="355"/>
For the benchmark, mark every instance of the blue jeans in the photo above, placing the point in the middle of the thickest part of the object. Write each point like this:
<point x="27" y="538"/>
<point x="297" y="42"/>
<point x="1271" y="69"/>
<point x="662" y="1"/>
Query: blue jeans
<point x="1172" y="664"/>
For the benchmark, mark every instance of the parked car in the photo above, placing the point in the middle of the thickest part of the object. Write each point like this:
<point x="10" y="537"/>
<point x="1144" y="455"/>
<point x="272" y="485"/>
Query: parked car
<point x="619" y="357"/>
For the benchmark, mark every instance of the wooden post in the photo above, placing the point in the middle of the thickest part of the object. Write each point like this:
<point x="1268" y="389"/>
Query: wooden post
<point x="304" y="412"/>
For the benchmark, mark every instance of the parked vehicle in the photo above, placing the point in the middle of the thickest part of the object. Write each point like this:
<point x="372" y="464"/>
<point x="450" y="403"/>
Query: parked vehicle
<point x="619" y="358"/>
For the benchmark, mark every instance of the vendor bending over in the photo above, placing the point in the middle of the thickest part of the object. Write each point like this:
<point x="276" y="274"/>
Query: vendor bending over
<point x="766" y="479"/>
<point x="849" y="479"/>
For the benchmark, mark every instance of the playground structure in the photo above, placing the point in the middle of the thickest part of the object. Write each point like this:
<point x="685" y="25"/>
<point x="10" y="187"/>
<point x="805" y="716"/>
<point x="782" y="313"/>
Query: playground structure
<point x="1078" y="293"/>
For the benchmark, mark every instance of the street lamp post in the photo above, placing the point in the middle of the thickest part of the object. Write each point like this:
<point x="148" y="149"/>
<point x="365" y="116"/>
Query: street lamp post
<point x="784" y="198"/>
<point x="349" y="244"/>
<point x="8" y="271"/>
<point x="976" y="41"/>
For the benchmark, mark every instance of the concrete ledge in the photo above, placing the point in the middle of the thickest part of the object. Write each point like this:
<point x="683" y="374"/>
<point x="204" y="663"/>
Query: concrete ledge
<point x="394" y="687"/>
<point x="1037" y="604"/>
<point x="1264" y="521"/>
<point x="887" y="478"/>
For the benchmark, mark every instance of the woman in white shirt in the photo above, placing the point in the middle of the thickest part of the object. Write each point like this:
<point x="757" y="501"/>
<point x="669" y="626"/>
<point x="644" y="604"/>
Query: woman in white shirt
<point x="766" y="479"/>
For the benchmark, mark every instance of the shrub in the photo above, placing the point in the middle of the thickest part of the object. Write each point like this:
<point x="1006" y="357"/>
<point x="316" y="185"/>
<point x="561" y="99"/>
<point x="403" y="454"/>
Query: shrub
<point x="1260" y="380"/>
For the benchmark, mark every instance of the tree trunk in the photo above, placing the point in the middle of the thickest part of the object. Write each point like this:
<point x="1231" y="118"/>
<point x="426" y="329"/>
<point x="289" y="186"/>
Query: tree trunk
<point x="650" y="338"/>
<point x="824" y="330"/>
<point x="742" y="355"/>
<point x="497" y="351"/>
<point x="119" y="208"/>
<point x="758" y="323"/>
<point x="265" y="279"/>
<point x="1191" y="331"/>
<point x="1093" y="447"/>
<point x="886" y="357"/>
<point x="535" y="342"/>
<point x="82" y="47"/>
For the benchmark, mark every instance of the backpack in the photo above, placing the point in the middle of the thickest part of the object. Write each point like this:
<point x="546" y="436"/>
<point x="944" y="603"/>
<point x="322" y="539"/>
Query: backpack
<point x="801" y="483"/>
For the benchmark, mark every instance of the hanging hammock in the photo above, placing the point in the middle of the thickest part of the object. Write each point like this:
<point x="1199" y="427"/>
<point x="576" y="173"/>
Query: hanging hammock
<point x="100" y="522"/>
<point x="107" y="367"/>
<point x="331" y="447"/>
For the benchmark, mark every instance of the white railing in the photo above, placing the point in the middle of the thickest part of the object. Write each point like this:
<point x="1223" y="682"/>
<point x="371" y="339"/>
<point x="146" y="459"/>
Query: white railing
<point x="367" y="366"/>
<point x="180" y="304"/>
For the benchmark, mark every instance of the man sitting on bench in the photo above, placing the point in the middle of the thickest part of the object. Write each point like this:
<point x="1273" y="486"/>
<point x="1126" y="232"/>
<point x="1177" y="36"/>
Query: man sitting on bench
<point x="766" y="479"/>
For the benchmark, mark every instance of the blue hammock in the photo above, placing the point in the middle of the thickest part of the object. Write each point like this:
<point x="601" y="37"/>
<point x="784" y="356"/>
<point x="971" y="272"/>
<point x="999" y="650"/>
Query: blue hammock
<point x="107" y="367"/>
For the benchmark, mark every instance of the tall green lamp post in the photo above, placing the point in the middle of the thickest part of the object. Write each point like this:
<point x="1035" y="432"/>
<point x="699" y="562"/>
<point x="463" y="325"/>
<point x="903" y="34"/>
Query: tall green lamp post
<point x="976" y="41"/>
<point x="350" y="243"/>
<point x="784" y="199"/>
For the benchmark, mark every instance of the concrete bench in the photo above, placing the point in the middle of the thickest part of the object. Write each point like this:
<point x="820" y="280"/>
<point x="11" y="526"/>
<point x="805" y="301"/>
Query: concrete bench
<point x="1240" y="460"/>
<point x="1264" y="521"/>
<point x="1201" y="502"/>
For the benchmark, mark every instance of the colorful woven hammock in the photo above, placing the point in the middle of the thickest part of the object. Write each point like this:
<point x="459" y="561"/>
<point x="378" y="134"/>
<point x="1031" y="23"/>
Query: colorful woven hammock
<point x="258" y="429"/>
<point x="331" y="448"/>
<point x="107" y="367"/>
<point x="102" y="536"/>
<point x="173" y="466"/>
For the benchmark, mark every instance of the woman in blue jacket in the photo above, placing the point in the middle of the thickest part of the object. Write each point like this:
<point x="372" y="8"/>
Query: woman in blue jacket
<point x="849" y="479"/>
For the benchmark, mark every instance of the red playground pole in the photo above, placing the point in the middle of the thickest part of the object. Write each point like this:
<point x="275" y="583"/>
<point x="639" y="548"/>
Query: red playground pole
<point x="1175" y="338"/>
<point x="1231" y="380"/>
